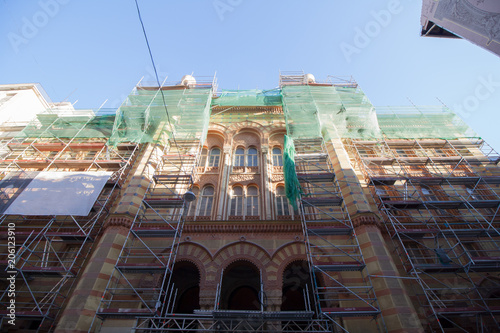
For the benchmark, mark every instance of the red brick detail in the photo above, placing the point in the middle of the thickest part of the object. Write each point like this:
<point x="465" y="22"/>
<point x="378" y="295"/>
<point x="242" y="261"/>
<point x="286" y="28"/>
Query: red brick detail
<point x="118" y="221"/>
<point x="366" y="220"/>
<point x="243" y="228"/>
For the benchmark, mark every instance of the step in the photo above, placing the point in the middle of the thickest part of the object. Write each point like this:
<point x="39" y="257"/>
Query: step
<point x="126" y="312"/>
<point x="329" y="230"/>
<point x="323" y="201"/>
<point x="141" y="267"/>
<point x="351" y="312"/>
<point x="165" y="231"/>
<point x="341" y="266"/>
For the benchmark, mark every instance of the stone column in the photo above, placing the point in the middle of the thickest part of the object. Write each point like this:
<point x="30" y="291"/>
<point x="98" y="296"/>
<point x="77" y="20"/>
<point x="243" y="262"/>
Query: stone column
<point x="265" y="186"/>
<point x="82" y="304"/>
<point x="85" y="298"/>
<point x="224" y="180"/>
<point x="397" y="309"/>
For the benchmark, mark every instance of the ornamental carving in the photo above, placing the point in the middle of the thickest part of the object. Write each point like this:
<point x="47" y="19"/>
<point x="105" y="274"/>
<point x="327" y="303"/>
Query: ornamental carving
<point x="240" y="178"/>
<point x="276" y="177"/>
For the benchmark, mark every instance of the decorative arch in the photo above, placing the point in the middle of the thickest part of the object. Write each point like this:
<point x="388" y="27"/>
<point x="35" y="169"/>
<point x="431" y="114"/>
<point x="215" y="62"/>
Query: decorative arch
<point x="250" y="125"/>
<point x="286" y="254"/>
<point x="242" y="250"/>
<point x="220" y="130"/>
<point x="186" y="278"/>
<point x="197" y="254"/>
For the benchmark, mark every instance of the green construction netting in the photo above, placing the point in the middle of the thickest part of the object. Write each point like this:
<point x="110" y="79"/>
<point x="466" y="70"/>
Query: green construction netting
<point x="248" y="98"/>
<point x="139" y="117"/>
<point x="420" y="122"/>
<point x="345" y="112"/>
<point x="329" y="112"/>
<point x="69" y="124"/>
<point x="292" y="185"/>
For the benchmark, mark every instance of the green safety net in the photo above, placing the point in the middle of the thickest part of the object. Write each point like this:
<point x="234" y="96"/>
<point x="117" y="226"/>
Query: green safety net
<point x="420" y="122"/>
<point x="139" y="117"/>
<point x="292" y="185"/>
<point x="253" y="97"/>
<point x="69" y="124"/>
<point x="329" y="112"/>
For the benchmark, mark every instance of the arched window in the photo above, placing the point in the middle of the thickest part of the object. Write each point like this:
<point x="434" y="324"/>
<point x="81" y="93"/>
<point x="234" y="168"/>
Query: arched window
<point x="192" y="204"/>
<point x="277" y="157"/>
<point x="237" y="201"/>
<point x="252" y="201"/>
<point x="214" y="157"/>
<point x="203" y="158"/>
<point x="206" y="201"/>
<point x="239" y="157"/>
<point x="252" y="157"/>
<point x="281" y="202"/>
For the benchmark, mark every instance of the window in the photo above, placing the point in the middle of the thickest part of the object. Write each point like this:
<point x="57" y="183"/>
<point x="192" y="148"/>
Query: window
<point x="282" y="207"/>
<point x="401" y="152"/>
<point x="237" y="201"/>
<point x="252" y="157"/>
<point x="203" y="159"/>
<point x="239" y="157"/>
<point x="206" y="201"/>
<point x="277" y="157"/>
<point x="252" y="201"/>
<point x="214" y="157"/>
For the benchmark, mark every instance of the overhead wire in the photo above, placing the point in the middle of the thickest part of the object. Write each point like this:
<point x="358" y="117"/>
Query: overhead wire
<point x="157" y="79"/>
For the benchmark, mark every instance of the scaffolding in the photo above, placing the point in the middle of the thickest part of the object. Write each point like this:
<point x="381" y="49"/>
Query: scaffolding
<point x="151" y="244"/>
<point x="343" y="288"/>
<point x="437" y="187"/>
<point x="50" y="250"/>
<point x="328" y="110"/>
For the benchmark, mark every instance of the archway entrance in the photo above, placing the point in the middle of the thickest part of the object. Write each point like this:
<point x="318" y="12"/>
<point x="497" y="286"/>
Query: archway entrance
<point x="240" y="287"/>
<point x="186" y="279"/>
<point x="296" y="279"/>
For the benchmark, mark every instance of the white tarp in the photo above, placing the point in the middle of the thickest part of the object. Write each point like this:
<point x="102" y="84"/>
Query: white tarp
<point x="59" y="193"/>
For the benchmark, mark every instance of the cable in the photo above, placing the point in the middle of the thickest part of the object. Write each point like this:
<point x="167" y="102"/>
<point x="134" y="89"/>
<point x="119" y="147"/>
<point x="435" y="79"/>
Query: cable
<point x="157" y="79"/>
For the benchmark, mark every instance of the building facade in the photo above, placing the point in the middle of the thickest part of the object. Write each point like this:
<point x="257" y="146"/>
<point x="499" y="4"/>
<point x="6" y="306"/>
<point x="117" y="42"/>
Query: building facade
<point x="297" y="209"/>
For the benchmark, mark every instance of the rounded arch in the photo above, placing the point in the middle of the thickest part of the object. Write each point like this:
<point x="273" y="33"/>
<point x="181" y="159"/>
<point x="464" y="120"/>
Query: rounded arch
<point x="220" y="130"/>
<point x="242" y="250"/>
<point x="296" y="280"/>
<point x="286" y="254"/>
<point x="186" y="279"/>
<point x="240" y="286"/>
<point x="257" y="128"/>
<point x="247" y="139"/>
<point x="196" y="254"/>
<point x="218" y="134"/>
<point x="277" y="137"/>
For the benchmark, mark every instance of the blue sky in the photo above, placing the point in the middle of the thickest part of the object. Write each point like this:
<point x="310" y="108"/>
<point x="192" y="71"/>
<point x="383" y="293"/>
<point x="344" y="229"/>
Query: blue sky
<point x="92" y="51"/>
